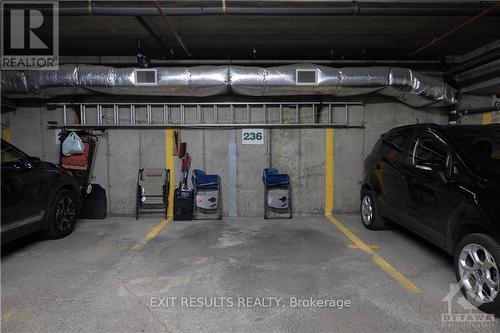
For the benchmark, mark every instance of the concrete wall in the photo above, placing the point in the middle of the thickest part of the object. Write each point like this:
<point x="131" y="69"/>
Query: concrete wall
<point x="467" y="102"/>
<point x="298" y="152"/>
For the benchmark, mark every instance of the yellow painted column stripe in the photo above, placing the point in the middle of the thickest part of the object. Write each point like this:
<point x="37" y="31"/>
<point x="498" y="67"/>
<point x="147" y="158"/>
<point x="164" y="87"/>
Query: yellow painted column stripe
<point x="487" y="118"/>
<point x="329" y="170"/>
<point x="170" y="164"/>
<point x="381" y="262"/>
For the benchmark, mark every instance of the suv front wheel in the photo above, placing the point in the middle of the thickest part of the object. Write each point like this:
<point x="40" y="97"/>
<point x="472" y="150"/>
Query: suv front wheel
<point x="477" y="258"/>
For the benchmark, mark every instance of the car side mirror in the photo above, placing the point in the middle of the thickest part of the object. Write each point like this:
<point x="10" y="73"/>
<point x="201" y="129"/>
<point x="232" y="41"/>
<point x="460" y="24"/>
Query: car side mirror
<point x="32" y="160"/>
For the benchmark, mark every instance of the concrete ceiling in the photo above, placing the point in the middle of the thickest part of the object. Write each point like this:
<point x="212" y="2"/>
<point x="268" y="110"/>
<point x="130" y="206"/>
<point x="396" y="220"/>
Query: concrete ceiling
<point x="276" y="37"/>
<point x="292" y="29"/>
<point x="299" y="30"/>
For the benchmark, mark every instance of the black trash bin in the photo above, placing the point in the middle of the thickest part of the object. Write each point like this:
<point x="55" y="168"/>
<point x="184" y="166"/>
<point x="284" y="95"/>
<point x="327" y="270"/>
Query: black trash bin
<point x="94" y="204"/>
<point x="183" y="204"/>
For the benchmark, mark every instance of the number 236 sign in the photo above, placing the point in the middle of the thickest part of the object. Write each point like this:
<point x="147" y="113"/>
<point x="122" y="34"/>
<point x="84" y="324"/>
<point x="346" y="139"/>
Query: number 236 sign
<point x="252" y="136"/>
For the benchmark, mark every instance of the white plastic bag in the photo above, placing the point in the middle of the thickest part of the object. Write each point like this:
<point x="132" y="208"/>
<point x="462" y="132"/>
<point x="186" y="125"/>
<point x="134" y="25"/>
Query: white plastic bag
<point x="72" y="145"/>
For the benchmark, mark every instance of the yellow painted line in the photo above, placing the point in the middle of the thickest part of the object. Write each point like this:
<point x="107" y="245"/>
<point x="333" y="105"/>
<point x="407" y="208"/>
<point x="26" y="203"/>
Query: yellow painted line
<point x="170" y="164"/>
<point x="329" y="170"/>
<point x="487" y="118"/>
<point x="6" y="315"/>
<point x="6" y="134"/>
<point x="371" y="246"/>
<point x="389" y="269"/>
<point x="381" y="262"/>
<point x="150" y="235"/>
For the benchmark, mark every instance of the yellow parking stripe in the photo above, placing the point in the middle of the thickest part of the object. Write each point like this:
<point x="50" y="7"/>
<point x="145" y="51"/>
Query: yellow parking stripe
<point x="389" y="269"/>
<point x="150" y="235"/>
<point x="381" y="262"/>
<point x="371" y="246"/>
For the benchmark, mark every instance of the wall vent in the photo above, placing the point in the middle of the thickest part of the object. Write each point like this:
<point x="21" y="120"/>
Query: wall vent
<point x="146" y="77"/>
<point x="304" y="77"/>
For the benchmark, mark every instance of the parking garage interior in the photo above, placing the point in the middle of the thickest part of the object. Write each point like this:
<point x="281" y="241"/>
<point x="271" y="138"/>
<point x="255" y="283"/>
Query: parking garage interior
<point x="316" y="84"/>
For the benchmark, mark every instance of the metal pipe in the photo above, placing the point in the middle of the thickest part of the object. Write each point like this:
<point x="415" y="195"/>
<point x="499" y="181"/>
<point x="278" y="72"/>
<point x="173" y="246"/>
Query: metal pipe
<point x="114" y="114"/>
<point x="458" y="27"/>
<point x="152" y="33"/>
<point x="332" y="9"/>
<point x="132" y="60"/>
<point x="156" y="3"/>
<point x="198" y="126"/>
<point x="65" y="115"/>
<point x="452" y="117"/>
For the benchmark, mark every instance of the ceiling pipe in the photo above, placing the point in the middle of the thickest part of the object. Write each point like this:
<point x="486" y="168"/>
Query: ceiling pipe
<point x="153" y="34"/>
<point x="455" y="29"/>
<point x="331" y="8"/>
<point x="123" y="60"/>
<point x="156" y="3"/>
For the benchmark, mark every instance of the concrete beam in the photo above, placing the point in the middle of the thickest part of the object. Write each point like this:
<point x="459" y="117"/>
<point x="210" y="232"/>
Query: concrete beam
<point x="488" y="87"/>
<point x="475" y="53"/>
<point x="486" y="69"/>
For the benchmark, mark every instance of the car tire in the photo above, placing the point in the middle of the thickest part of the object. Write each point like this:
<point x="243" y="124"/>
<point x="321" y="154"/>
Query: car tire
<point x="369" y="212"/>
<point x="62" y="215"/>
<point x="479" y="254"/>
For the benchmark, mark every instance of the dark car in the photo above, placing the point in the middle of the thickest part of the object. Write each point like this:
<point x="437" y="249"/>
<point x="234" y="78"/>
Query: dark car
<point x="443" y="183"/>
<point x="36" y="196"/>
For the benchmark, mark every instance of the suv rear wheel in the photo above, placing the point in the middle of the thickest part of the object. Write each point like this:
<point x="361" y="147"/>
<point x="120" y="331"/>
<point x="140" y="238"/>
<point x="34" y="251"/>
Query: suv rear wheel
<point x="477" y="259"/>
<point x="369" y="212"/>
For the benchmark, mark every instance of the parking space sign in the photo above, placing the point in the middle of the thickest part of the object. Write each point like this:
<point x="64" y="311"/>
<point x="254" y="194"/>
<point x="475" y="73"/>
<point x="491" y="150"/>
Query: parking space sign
<point x="252" y="136"/>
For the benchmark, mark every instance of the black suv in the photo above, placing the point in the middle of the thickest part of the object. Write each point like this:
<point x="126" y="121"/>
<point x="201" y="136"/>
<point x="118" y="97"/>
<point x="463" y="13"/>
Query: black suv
<point x="443" y="183"/>
<point x="36" y="196"/>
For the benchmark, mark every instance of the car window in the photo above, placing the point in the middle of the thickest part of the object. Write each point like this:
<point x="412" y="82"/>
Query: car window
<point x="427" y="149"/>
<point x="397" y="140"/>
<point x="481" y="148"/>
<point x="484" y="147"/>
<point x="394" y="144"/>
<point x="11" y="154"/>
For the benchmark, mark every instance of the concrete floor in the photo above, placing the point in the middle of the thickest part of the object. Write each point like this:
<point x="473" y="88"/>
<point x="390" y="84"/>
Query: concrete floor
<point x="92" y="281"/>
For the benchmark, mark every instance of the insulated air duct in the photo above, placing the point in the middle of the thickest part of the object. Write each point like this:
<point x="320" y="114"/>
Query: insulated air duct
<point x="408" y="86"/>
